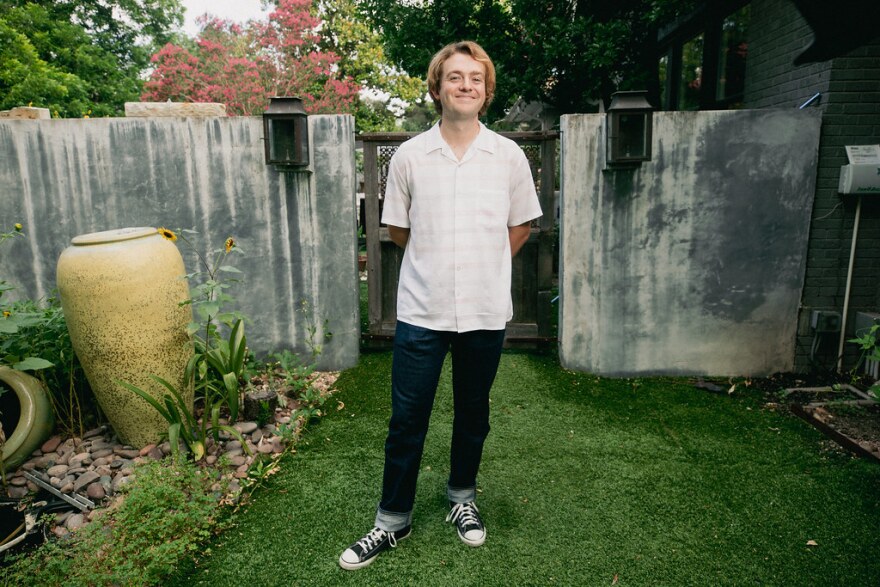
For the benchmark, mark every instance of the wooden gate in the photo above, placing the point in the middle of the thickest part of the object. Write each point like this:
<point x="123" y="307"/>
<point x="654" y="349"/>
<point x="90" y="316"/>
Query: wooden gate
<point x="533" y="269"/>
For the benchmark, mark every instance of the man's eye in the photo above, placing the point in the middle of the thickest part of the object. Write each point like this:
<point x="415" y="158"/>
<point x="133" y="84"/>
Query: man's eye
<point x="477" y="80"/>
<point x="454" y="78"/>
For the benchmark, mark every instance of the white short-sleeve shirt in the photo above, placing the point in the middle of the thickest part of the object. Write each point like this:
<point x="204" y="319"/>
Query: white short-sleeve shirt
<point x="456" y="268"/>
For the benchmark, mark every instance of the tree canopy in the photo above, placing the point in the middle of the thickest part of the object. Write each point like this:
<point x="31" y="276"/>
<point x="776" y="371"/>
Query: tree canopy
<point x="386" y="91"/>
<point x="565" y="53"/>
<point x="242" y="66"/>
<point x="80" y="57"/>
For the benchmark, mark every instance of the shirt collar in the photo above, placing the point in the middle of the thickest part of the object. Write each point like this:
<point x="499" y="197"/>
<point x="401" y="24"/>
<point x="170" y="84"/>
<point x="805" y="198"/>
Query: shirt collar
<point x="434" y="140"/>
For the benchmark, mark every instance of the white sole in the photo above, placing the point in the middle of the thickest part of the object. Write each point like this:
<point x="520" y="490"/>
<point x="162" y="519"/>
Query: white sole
<point x="474" y="543"/>
<point x="355" y="566"/>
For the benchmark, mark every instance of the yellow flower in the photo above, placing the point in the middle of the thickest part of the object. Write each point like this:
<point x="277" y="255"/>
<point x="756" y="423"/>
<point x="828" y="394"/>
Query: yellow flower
<point x="7" y="313"/>
<point x="167" y="234"/>
<point x="18" y="227"/>
<point x="230" y="243"/>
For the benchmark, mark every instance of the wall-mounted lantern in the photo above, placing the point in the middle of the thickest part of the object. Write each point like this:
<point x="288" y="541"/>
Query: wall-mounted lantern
<point x="629" y="124"/>
<point x="286" y="132"/>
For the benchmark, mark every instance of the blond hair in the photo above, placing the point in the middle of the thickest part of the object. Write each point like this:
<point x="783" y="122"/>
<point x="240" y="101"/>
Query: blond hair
<point x="473" y="50"/>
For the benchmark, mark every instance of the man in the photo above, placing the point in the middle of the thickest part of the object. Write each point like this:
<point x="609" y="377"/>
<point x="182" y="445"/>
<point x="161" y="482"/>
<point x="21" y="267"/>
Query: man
<point x="459" y="200"/>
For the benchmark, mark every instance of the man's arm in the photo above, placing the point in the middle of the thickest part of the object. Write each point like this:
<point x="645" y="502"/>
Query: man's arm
<point x="399" y="235"/>
<point x="518" y="236"/>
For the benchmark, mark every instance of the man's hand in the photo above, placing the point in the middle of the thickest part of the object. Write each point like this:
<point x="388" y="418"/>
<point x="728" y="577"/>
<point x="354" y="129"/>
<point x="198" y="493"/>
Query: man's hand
<point x="398" y="235"/>
<point x="518" y="236"/>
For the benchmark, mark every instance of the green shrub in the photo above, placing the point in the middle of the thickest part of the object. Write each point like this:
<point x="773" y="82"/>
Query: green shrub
<point x="34" y="337"/>
<point x="166" y="515"/>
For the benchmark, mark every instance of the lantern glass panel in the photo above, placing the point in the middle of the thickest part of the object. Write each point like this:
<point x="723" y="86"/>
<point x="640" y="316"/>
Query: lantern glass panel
<point x="282" y="141"/>
<point x="631" y="135"/>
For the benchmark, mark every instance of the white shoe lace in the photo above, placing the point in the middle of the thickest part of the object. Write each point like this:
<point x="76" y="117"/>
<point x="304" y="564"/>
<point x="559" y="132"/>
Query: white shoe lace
<point x="464" y="514"/>
<point x="374" y="537"/>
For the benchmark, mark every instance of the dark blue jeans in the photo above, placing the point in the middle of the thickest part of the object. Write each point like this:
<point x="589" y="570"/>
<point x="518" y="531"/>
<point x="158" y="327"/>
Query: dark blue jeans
<point x="418" y="359"/>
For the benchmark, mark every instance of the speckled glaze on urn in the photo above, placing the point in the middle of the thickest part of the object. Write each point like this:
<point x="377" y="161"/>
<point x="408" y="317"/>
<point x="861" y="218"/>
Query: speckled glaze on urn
<point x="121" y="292"/>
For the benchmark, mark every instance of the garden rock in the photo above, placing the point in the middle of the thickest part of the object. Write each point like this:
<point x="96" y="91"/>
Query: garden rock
<point x="85" y="479"/>
<point x="51" y="444"/>
<point x="74" y="522"/>
<point x="246" y="427"/>
<point x="57" y="471"/>
<point x="96" y="491"/>
<point x="17" y="492"/>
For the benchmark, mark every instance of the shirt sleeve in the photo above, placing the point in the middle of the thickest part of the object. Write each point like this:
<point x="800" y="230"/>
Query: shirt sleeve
<point x="524" y="203"/>
<point x="395" y="210"/>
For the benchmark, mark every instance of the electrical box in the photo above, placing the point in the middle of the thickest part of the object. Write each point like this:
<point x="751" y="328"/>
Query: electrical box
<point x="862" y="175"/>
<point x="825" y="321"/>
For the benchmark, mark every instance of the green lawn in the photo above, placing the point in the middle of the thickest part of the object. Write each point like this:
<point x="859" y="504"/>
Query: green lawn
<point x="584" y="479"/>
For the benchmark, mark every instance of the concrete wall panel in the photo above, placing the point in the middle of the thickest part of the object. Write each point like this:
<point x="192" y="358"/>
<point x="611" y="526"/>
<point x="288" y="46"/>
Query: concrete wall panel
<point x="61" y="178"/>
<point x="692" y="263"/>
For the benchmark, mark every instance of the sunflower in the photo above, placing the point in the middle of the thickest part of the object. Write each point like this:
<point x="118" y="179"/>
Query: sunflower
<point x="7" y="313"/>
<point x="167" y="234"/>
<point x="230" y="243"/>
<point x="18" y="227"/>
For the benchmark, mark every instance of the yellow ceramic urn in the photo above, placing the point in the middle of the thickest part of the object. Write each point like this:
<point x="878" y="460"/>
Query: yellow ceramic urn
<point x="121" y="292"/>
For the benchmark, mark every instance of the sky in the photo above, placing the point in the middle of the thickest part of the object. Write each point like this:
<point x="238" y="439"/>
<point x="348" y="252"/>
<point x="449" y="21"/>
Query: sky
<point x="236" y="10"/>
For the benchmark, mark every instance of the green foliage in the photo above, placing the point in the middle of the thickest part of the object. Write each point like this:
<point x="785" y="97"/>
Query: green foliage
<point x="386" y="91"/>
<point x="182" y="423"/>
<point x="81" y="57"/>
<point x="263" y="467"/>
<point x="868" y="344"/>
<point x="34" y="337"/>
<point x="218" y="365"/>
<point x="41" y="344"/>
<point x="317" y="336"/>
<point x="293" y="372"/>
<point x="227" y="361"/>
<point x="27" y="79"/>
<point x="166" y="515"/>
<point x="564" y="53"/>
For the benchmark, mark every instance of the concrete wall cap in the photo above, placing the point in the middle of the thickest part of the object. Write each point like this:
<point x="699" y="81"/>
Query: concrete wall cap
<point x="27" y="113"/>
<point x="165" y="109"/>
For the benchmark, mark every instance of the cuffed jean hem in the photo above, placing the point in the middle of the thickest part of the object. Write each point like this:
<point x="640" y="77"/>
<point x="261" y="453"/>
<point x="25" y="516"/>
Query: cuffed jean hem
<point x="392" y="521"/>
<point x="461" y="494"/>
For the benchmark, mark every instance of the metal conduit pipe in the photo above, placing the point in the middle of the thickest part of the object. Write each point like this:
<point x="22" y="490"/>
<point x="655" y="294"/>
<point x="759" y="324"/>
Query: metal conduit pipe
<point x="849" y="274"/>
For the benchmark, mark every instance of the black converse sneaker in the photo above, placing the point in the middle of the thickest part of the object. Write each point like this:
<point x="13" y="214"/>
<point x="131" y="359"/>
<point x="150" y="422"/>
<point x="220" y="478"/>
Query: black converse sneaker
<point x="365" y="550"/>
<point x="467" y="520"/>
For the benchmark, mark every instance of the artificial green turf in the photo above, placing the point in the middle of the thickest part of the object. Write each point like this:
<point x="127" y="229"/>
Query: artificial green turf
<point x="584" y="479"/>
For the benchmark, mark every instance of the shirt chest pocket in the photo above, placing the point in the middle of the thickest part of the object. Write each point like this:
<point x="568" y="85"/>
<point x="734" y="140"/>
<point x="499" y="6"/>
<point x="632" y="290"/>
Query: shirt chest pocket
<point x="489" y="208"/>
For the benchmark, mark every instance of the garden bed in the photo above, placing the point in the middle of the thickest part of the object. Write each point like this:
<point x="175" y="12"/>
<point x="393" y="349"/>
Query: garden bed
<point x="95" y="468"/>
<point x="848" y="415"/>
<point x="845" y="412"/>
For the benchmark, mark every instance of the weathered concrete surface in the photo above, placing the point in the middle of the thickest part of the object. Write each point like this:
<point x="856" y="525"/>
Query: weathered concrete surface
<point x="26" y="113"/>
<point x="694" y="262"/>
<point x="61" y="178"/>
<point x="194" y="109"/>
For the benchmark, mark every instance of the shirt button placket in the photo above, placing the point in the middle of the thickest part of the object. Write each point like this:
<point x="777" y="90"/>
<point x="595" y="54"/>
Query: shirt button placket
<point x="456" y="253"/>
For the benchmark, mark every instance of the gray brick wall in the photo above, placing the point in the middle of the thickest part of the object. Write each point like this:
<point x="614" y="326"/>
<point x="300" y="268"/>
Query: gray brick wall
<point x="850" y="102"/>
<point x="777" y="34"/>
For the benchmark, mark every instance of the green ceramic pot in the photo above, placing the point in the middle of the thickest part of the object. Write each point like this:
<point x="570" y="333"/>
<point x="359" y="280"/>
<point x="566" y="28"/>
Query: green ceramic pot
<point x="36" y="418"/>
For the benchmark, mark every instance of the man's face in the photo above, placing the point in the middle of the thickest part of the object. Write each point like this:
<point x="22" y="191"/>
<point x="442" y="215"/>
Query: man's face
<point x="462" y="87"/>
